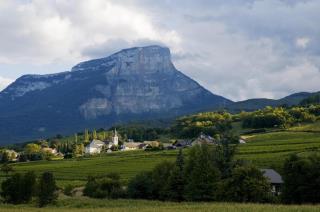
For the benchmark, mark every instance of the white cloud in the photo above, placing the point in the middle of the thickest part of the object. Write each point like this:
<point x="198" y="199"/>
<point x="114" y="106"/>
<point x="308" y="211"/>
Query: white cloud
<point x="4" y="82"/>
<point x="238" y="48"/>
<point x="302" y="42"/>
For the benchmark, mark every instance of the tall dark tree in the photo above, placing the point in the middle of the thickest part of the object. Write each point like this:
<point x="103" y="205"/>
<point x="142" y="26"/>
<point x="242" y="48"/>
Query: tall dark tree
<point x="18" y="188"/>
<point x="28" y="186"/>
<point x="47" y="189"/>
<point x="140" y="187"/>
<point x="246" y="184"/>
<point x="202" y="177"/>
<point x="224" y="153"/>
<point x="301" y="180"/>
<point x="10" y="189"/>
<point x="176" y="181"/>
<point x="160" y="176"/>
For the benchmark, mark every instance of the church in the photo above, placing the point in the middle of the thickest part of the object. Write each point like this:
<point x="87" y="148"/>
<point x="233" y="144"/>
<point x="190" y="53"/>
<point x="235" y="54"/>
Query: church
<point x="96" y="146"/>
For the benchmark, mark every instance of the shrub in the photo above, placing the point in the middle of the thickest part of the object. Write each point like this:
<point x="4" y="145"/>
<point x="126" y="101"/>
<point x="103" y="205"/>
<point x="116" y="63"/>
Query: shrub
<point x="201" y="174"/>
<point x="18" y="188"/>
<point x="246" y="184"/>
<point x="47" y="189"/>
<point x="301" y="179"/>
<point x="68" y="190"/>
<point x="160" y="176"/>
<point x="140" y="187"/>
<point x="101" y="187"/>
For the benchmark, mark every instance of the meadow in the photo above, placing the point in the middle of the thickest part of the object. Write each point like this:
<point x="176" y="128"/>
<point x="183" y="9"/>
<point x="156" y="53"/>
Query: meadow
<point x="90" y="205"/>
<point x="266" y="150"/>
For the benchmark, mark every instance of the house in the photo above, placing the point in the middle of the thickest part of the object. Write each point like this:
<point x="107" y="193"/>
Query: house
<point x="203" y="139"/>
<point x="152" y="143"/>
<point x="242" y="141"/>
<point x="131" y="145"/>
<point x="49" y="150"/>
<point x="95" y="147"/>
<point x="182" y="143"/>
<point x="142" y="146"/>
<point x="168" y="146"/>
<point x="13" y="155"/>
<point x="274" y="179"/>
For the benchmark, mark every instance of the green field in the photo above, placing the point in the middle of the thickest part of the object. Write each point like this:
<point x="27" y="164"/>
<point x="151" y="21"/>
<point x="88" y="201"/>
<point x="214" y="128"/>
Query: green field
<point x="266" y="150"/>
<point x="87" y="204"/>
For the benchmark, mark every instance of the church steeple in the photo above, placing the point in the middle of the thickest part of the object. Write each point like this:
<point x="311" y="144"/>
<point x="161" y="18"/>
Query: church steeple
<point x="115" y="138"/>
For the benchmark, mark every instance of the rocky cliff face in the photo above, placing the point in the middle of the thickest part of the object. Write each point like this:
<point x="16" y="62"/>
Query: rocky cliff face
<point x="136" y="83"/>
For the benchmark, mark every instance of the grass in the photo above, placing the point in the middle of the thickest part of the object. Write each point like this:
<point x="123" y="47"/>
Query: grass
<point x="314" y="127"/>
<point x="75" y="172"/>
<point x="266" y="150"/>
<point x="270" y="149"/>
<point x="87" y="204"/>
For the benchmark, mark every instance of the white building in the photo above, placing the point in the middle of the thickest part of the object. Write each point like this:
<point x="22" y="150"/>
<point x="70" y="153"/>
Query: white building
<point x="131" y="145"/>
<point x="115" y="138"/>
<point x="94" y="147"/>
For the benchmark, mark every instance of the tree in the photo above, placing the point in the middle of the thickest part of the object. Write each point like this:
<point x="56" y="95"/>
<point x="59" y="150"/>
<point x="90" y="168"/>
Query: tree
<point x="94" y="134"/>
<point x="301" y="179"/>
<point x="6" y="168"/>
<point x="140" y="187"/>
<point x="201" y="175"/>
<point x="160" y="175"/>
<point x="224" y="155"/>
<point x="47" y="189"/>
<point x="86" y="136"/>
<point x="246" y="184"/>
<point x="11" y="189"/>
<point x="54" y="144"/>
<point x="104" y="186"/>
<point x="18" y="188"/>
<point x="32" y="148"/>
<point x="28" y="185"/>
<point x="43" y="143"/>
<point x="176" y="181"/>
<point x="5" y="157"/>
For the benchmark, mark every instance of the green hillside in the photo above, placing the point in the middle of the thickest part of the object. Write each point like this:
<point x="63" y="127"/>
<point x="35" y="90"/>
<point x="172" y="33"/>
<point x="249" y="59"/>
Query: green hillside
<point x="265" y="150"/>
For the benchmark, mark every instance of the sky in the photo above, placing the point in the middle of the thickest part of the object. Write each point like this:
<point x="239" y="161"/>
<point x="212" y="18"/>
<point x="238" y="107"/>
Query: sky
<point x="239" y="49"/>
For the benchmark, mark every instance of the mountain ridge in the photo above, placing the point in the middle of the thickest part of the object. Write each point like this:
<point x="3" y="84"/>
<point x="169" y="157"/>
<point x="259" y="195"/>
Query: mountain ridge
<point x="132" y="84"/>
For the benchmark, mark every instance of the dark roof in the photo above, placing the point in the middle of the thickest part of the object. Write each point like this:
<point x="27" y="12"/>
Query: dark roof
<point x="272" y="175"/>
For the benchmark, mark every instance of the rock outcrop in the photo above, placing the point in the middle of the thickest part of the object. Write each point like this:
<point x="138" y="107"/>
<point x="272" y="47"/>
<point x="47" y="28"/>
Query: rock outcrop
<point x="133" y="84"/>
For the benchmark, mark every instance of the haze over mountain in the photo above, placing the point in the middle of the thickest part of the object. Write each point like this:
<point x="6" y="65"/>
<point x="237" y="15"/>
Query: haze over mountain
<point x="133" y="84"/>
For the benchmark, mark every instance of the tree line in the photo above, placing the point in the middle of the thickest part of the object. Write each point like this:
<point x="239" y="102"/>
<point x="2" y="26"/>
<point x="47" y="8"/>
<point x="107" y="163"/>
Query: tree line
<point x="22" y="188"/>
<point x="212" y="174"/>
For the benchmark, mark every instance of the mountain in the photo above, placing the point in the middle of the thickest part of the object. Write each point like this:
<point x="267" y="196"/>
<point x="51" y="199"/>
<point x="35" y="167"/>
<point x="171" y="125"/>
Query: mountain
<point x="255" y="104"/>
<point x="133" y="84"/>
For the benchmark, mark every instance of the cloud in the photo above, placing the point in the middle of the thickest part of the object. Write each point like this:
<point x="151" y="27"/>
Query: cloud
<point x="302" y="42"/>
<point x="4" y="82"/>
<point x="238" y="48"/>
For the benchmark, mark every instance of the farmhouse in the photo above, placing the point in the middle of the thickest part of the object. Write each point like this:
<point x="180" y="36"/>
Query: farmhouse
<point x="131" y="146"/>
<point x="152" y="143"/>
<point x="203" y="139"/>
<point x="94" y="147"/>
<point x="182" y="143"/>
<point x="11" y="153"/>
<point x="49" y="150"/>
<point x="274" y="179"/>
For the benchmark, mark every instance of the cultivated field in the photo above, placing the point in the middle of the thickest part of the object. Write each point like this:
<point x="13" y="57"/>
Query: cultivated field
<point x="266" y="150"/>
<point x="87" y="204"/>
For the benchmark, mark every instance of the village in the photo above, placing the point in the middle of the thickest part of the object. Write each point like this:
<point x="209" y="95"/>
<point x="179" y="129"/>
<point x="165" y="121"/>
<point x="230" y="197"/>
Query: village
<point x="96" y="146"/>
